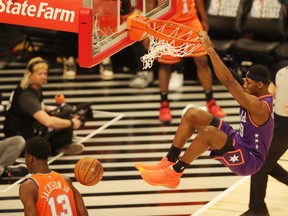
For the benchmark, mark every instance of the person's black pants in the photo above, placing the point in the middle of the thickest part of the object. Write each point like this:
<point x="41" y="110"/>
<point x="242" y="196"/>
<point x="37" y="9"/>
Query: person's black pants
<point x="58" y="139"/>
<point x="259" y="180"/>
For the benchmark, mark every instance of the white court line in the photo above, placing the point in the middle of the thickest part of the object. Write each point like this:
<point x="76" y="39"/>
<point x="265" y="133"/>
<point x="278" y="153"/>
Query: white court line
<point x="220" y="196"/>
<point x="118" y="116"/>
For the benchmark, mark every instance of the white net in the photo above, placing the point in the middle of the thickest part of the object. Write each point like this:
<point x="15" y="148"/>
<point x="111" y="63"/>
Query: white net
<point x="175" y="46"/>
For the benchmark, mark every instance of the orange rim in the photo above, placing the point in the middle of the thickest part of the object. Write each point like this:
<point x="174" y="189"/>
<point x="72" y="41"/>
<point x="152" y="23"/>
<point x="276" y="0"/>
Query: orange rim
<point x="171" y="31"/>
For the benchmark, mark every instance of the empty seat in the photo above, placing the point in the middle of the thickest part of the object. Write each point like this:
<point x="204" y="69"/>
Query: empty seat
<point x="225" y="20"/>
<point x="264" y="30"/>
<point x="37" y="37"/>
<point x="281" y="52"/>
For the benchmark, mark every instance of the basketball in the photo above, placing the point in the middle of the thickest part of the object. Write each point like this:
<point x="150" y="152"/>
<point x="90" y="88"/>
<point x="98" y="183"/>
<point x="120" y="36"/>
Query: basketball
<point x="88" y="171"/>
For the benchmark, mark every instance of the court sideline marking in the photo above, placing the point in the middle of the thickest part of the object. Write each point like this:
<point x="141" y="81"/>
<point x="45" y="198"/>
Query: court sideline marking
<point x="220" y="196"/>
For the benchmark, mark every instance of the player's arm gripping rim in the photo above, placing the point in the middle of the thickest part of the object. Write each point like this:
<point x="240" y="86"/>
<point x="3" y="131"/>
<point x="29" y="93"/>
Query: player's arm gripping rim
<point x="257" y="108"/>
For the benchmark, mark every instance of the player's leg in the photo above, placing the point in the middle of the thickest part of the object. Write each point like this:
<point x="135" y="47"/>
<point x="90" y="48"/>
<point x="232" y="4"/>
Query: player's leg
<point x="204" y="74"/>
<point x="10" y="150"/>
<point x="205" y="77"/>
<point x="164" y="74"/>
<point x="208" y="136"/>
<point x="193" y="118"/>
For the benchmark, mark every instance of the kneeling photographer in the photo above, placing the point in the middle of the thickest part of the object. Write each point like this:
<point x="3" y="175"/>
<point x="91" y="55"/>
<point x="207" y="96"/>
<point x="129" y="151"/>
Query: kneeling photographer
<point x="27" y="110"/>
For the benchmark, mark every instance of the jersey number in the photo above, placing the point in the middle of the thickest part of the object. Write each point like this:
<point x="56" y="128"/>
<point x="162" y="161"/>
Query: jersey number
<point x="241" y="130"/>
<point x="60" y="200"/>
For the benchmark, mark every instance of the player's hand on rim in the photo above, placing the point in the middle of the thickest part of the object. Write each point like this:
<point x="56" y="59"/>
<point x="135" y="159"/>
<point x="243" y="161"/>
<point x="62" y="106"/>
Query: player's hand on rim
<point x="206" y="42"/>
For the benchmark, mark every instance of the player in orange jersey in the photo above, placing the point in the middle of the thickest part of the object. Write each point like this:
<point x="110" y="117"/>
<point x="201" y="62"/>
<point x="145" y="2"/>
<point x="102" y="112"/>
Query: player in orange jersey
<point x="187" y="12"/>
<point x="47" y="192"/>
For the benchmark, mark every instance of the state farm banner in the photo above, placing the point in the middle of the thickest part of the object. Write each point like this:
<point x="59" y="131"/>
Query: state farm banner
<point x="50" y="14"/>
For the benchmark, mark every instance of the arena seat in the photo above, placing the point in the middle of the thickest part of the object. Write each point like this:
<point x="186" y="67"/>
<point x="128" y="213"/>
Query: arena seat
<point x="225" y="20"/>
<point x="36" y="37"/>
<point x="264" y="29"/>
<point x="281" y="52"/>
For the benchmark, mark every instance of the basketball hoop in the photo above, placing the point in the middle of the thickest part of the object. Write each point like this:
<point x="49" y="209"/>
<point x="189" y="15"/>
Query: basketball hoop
<point x="166" y="38"/>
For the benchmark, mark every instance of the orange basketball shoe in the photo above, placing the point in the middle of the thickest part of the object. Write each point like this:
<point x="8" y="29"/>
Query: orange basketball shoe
<point x="214" y="109"/>
<point x="163" y="164"/>
<point x="167" y="178"/>
<point x="165" y="112"/>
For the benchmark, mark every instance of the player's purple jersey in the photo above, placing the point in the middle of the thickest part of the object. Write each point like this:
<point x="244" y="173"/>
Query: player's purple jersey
<point x="251" y="142"/>
<point x="257" y="138"/>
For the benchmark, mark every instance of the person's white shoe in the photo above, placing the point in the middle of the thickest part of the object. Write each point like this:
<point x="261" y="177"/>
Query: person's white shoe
<point x="106" y="72"/>
<point x="69" y="71"/>
<point x="142" y="80"/>
<point x="72" y="149"/>
<point x="176" y="81"/>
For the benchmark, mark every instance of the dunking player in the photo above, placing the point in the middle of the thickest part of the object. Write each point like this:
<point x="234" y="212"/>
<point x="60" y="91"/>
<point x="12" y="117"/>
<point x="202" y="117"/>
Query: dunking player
<point x="243" y="152"/>
<point x="47" y="192"/>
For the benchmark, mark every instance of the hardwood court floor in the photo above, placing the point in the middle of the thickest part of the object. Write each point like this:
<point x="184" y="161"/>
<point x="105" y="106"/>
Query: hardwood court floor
<point x="125" y="130"/>
<point x="235" y="202"/>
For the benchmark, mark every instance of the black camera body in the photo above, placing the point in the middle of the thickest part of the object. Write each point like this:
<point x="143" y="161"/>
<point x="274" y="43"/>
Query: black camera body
<point x="68" y="111"/>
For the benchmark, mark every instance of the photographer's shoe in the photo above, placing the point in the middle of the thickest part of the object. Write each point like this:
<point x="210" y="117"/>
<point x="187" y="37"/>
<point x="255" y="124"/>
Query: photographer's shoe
<point x="13" y="171"/>
<point x="72" y="149"/>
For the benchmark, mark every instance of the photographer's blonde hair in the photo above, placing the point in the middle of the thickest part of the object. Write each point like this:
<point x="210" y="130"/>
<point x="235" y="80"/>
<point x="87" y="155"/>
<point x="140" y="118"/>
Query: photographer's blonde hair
<point x="34" y="64"/>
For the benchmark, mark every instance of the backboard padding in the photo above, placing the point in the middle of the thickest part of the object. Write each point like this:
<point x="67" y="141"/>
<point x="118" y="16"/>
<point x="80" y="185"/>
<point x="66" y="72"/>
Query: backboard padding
<point x="103" y="27"/>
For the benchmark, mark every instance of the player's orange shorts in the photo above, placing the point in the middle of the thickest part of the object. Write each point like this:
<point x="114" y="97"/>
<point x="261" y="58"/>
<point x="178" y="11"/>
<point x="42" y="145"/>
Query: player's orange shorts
<point x="195" y="24"/>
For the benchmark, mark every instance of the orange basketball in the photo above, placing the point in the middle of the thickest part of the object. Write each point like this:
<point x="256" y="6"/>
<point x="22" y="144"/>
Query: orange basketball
<point x="88" y="171"/>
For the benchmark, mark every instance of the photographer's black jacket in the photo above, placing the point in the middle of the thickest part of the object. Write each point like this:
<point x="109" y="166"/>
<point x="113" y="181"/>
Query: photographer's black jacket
<point x="24" y="103"/>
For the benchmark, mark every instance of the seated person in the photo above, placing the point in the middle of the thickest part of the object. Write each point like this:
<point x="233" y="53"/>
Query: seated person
<point x="10" y="150"/>
<point x="27" y="109"/>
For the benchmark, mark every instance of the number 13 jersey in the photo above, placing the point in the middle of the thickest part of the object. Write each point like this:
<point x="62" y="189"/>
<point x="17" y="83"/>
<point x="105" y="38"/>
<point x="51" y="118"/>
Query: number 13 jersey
<point x="55" y="197"/>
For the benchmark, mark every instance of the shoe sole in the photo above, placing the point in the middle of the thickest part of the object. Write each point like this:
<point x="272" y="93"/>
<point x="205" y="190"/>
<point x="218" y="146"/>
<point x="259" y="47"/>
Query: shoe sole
<point x="141" y="169"/>
<point x="73" y="150"/>
<point x="68" y="78"/>
<point x="164" y="185"/>
<point x="141" y="86"/>
<point x="105" y="77"/>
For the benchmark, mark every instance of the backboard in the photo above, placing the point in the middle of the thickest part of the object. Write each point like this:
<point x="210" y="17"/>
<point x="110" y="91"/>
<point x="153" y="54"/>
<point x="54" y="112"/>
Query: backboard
<point x="103" y="26"/>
